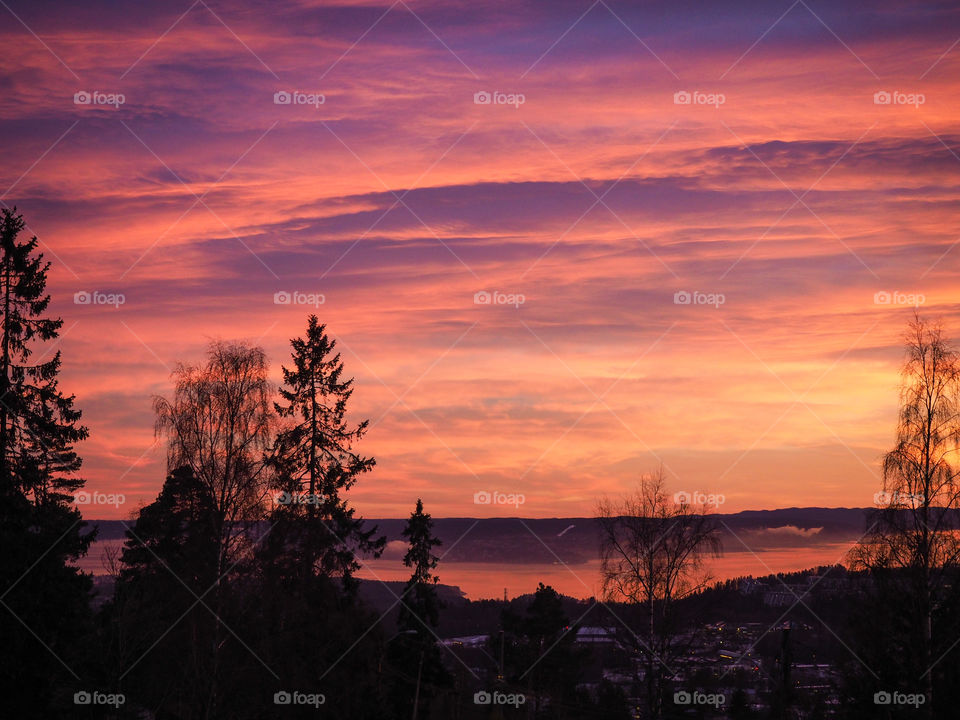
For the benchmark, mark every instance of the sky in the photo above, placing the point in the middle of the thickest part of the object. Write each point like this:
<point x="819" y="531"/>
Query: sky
<point x="697" y="230"/>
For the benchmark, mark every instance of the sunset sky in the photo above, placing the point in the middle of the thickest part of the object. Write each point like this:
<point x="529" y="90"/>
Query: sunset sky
<point x="788" y="188"/>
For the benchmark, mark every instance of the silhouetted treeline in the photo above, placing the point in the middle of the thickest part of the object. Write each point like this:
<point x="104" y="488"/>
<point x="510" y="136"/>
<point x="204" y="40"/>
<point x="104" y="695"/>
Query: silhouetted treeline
<point x="235" y="595"/>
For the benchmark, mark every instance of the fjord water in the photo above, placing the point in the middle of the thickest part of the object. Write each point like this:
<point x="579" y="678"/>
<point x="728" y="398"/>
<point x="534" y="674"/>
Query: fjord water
<point x="480" y="580"/>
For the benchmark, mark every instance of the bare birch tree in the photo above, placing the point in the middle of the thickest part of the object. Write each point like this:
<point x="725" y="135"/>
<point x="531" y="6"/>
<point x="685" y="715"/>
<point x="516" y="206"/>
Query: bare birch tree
<point x="652" y="548"/>
<point x="218" y="424"/>
<point x="912" y="547"/>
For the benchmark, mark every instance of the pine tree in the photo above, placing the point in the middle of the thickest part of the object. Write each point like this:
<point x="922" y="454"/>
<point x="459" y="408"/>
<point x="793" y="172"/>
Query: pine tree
<point x="542" y="656"/>
<point x="308" y="556"/>
<point x="45" y="598"/>
<point x="38" y="424"/>
<point x="161" y="635"/>
<point x="420" y="606"/>
<point x="315" y="462"/>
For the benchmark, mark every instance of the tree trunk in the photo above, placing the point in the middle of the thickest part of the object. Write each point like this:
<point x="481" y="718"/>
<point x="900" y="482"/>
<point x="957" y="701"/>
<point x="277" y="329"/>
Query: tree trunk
<point x="5" y="440"/>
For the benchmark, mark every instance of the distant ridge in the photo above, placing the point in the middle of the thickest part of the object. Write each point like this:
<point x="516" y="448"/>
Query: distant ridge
<point x="573" y="540"/>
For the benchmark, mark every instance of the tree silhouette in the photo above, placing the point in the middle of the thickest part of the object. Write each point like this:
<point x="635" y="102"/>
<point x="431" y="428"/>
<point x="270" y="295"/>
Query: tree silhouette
<point x="38" y="424"/>
<point x="218" y="425"/>
<point x="45" y="601"/>
<point x="414" y="654"/>
<point x="542" y="657"/>
<point x="652" y="548"/>
<point x="912" y="545"/>
<point x="213" y="612"/>
<point x="315" y="463"/>
<point x="421" y="605"/>
<point x="169" y="559"/>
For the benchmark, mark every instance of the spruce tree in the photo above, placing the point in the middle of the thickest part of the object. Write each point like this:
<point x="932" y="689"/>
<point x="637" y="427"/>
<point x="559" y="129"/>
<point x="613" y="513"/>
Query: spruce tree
<point x="45" y="599"/>
<point x="415" y="656"/>
<point x="38" y="423"/>
<point x="309" y="554"/>
<point x="315" y="463"/>
<point x="161" y="634"/>
<point x="542" y="656"/>
<point x="421" y="605"/>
